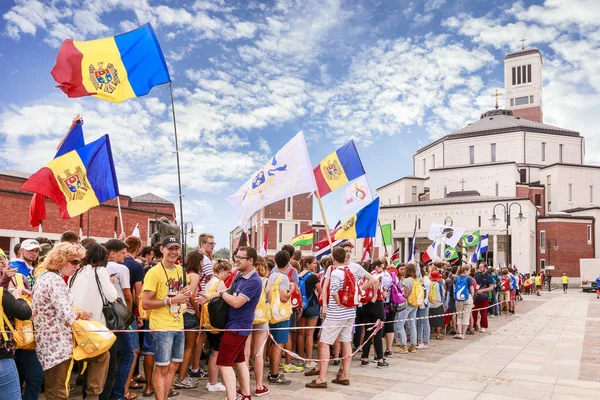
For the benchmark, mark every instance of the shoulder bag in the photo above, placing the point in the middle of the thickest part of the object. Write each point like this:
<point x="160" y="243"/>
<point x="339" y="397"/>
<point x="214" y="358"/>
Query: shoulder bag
<point x="118" y="316"/>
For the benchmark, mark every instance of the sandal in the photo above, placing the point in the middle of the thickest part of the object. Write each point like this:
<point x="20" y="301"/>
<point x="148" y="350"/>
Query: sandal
<point x="173" y="393"/>
<point x="345" y="382"/>
<point x="146" y="394"/>
<point x="130" y="396"/>
<point x="315" y="385"/>
<point x="139" y="379"/>
<point x="135" y="385"/>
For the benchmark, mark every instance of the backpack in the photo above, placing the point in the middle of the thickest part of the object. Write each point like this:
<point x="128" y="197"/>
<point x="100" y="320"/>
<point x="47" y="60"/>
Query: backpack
<point x="23" y="333"/>
<point x="91" y="339"/>
<point x="262" y="313"/>
<point x="397" y="298"/>
<point x="365" y="296"/>
<point x="205" y="316"/>
<point x="348" y="294"/>
<point x="302" y="286"/>
<point x="504" y="283"/>
<point x="296" y="296"/>
<point x="433" y="291"/>
<point x="280" y="311"/>
<point x="417" y="295"/>
<point x="461" y="288"/>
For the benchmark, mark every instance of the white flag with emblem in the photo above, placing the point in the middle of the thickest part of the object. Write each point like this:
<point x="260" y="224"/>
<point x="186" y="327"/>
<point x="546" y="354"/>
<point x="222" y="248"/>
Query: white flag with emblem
<point x="357" y="194"/>
<point x="287" y="174"/>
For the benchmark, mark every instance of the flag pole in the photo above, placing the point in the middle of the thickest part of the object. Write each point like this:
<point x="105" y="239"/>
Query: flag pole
<point x="382" y="237"/>
<point x="324" y="221"/>
<point x="183" y="249"/>
<point x="120" y="213"/>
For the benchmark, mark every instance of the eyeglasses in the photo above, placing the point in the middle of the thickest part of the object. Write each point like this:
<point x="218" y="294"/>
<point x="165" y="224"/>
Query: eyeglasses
<point x="242" y="258"/>
<point x="75" y="262"/>
<point x="211" y="243"/>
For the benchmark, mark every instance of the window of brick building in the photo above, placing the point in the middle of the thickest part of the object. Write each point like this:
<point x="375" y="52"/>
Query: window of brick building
<point x="538" y="200"/>
<point x="589" y="234"/>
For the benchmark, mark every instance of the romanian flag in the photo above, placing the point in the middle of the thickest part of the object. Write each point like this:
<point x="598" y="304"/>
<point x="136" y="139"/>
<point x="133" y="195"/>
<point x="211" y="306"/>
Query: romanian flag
<point x="114" y="68"/>
<point x="78" y="180"/>
<point x="362" y="224"/>
<point x="472" y="239"/>
<point x="304" y="239"/>
<point x="338" y="168"/>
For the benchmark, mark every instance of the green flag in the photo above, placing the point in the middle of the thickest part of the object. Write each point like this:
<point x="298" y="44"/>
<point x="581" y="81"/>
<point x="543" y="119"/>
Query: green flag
<point x="472" y="239"/>
<point x="386" y="234"/>
<point x="450" y="254"/>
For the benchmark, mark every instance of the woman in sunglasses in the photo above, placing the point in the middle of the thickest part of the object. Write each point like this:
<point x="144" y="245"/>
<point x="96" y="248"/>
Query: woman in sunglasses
<point x="53" y="315"/>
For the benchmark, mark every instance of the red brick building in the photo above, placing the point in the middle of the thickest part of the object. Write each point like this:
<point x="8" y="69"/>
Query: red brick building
<point x="101" y="223"/>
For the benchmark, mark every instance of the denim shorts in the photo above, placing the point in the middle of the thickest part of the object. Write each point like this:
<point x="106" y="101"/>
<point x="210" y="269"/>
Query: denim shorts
<point x="168" y="346"/>
<point x="147" y="345"/>
<point x="311" y="312"/>
<point x="280" y="335"/>
<point x="190" y="321"/>
<point x="135" y="336"/>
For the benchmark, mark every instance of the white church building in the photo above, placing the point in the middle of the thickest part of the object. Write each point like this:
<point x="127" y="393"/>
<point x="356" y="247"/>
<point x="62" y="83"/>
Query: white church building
<point x="506" y="164"/>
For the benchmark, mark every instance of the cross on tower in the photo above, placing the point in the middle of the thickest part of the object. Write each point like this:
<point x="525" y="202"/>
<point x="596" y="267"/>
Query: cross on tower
<point x="523" y="40"/>
<point x="496" y="95"/>
<point x="462" y="183"/>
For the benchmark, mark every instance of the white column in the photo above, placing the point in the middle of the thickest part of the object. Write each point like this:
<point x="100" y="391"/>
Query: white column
<point x="13" y="242"/>
<point x="406" y="250"/>
<point x="495" y="238"/>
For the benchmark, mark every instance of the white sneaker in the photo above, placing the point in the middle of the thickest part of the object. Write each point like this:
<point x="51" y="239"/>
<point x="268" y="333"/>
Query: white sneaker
<point x="186" y="383"/>
<point x="422" y="346"/>
<point x="217" y="387"/>
<point x="482" y="330"/>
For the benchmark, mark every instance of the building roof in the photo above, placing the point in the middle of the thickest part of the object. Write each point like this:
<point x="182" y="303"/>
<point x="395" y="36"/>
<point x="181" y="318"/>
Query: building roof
<point x="570" y="165"/>
<point x="501" y="121"/>
<point x="463" y="193"/>
<point x="15" y="174"/>
<point x="150" y="198"/>
<point x="401" y="179"/>
<point x="456" y="200"/>
<point x="522" y="52"/>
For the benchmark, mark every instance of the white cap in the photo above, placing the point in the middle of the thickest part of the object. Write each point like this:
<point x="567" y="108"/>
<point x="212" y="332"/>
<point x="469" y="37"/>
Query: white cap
<point x="30" y="244"/>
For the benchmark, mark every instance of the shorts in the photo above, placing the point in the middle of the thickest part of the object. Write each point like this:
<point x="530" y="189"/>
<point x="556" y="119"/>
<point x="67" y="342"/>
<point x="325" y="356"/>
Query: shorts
<point x="504" y="296"/>
<point x="261" y="327"/>
<point x="332" y="329"/>
<point x="135" y="336"/>
<point x="311" y="312"/>
<point x="147" y="344"/>
<point x="232" y="349"/>
<point x="280" y="336"/>
<point x="452" y="306"/>
<point x="214" y="340"/>
<point x="513" y="294"/>
<point x="190" y="321"/>
<point x="168" y="346"/>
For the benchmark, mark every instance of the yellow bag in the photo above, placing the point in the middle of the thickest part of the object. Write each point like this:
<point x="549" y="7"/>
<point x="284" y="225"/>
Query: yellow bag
<point x="262" y="313"/>
<point x="144" y="314"/>
<point x="23" y="332"/>
<point x="3" y="318"/>
<point x="280" y="311"/>
<point x="210" y="292"/>
<point x="417" y="295"/>
<point x="38" y="271"/>
<point x="91" y="344"/>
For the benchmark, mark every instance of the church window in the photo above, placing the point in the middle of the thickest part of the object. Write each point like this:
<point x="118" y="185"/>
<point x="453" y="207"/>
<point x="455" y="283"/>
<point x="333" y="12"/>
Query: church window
<point x="414" y="193"/>
<point x="289" y="204"/>
<point x="560" y="153"/>
<point x="471" y="154"/>
<point x="280" y="233"/>
<point x="493" y="148"/>
<point x="524" y="71"/>
<point x="543" y="151"/>
<point x="497" y="188"/>
<point x="591" y="193"/>
<point x="519" y="101"/>
<point x="518" y="75"/>
<point x="529" y="73"/>
<point x="296" y="229"/>
<point x="538" y="200"/>
<point x="514" y="76"/>
<point x="419" y="223"/>
<point x="479" y="221"/>
<point x="512" y="102"/>
<point x="394" y="223"/>
<point x="570" y="192"/>
<point x="445" y="191"/>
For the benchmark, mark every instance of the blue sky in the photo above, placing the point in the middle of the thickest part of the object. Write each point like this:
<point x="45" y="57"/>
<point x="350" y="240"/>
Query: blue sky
<point x="392" y="75"/>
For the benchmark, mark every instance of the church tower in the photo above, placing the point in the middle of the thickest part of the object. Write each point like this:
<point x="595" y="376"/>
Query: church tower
<point x="523" y="84"/>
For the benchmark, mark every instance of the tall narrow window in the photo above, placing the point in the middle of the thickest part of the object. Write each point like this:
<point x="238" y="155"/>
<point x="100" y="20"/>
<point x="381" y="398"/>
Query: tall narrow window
<point x="543" y="241"/>
<point x="493" y="148"/>
<point x="531" y="99"/>
<point x="296" y="229"/>
<point x="316" y="235"/>
<point x="394" y="223"/>
<point x="543" y="151"/>
<point x="524" y="71"/>
<point x="289" y="204"/>
<point x="542" y="263"/>
<point x="414" y="193"/>
<point x="479" y="221"/>
<point x="591" y="193"/>
<point x="528" y="72"/>
<point x="419" y="223"/>
<point x="433" y="161"/>
<point x="512" y="102"/>
<point x="424" y="166"/>
<point x="445" y="191"/>
<point x="518" y="75"/>
<point x="549" y="191"/>
<point x="570" y="192"/>
<point x="514" y="76"/>
<point x="280" y="233"/>
<point x="560" y="153"/>
<point x="537" y="200"/>
<point x="589" y="234"/>
<point x="497" y="189"/>
<point x="472" y="154"/>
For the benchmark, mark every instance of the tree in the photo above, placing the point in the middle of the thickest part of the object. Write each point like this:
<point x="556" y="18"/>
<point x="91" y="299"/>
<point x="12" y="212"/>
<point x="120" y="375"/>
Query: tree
<point x="223" y="253"/>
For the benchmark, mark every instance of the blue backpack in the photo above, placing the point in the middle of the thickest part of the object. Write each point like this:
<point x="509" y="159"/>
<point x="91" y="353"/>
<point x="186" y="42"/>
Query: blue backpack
<point x="302" y="285"/>
<point x="461" y="288"/>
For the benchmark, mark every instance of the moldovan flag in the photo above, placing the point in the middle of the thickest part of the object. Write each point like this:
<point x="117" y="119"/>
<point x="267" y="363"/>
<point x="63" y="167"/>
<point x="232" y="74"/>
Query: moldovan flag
<point x="287" y="174"/>
<point x="78" y="180"/>
<point x="115" y="68"/>
<point x="303" y="239"/>
<point x="362" y="224"/>
<point x="338" y="168"/>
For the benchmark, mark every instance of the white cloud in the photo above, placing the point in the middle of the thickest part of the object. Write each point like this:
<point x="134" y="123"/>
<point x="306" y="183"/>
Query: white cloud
<point x="432" y="5"/>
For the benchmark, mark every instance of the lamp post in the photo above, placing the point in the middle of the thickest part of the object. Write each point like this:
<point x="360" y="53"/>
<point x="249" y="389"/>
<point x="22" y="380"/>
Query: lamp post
<point x="549" y="242"/>
<point x="494" y="220"/>
<point x="184" y="229"/>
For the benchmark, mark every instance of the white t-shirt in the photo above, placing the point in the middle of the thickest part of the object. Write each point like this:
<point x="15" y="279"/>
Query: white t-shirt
<point x="336" y="312"/>
<point x="207" y="270"/>
<point x="84" y="291"/>
<point x="121" y="274"/>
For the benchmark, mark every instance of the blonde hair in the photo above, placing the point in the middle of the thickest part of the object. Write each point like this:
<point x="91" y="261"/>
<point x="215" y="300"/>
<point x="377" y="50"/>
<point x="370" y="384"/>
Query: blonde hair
<point x="261" y="267"/>
<point x="203" y="238"/>
<point x="221" y="265"/>
<point x="62" y="253"/>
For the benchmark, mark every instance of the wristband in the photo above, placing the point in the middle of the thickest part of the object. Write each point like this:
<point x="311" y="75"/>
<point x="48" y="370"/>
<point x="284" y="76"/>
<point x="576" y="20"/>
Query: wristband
<point x="166" y="302"/>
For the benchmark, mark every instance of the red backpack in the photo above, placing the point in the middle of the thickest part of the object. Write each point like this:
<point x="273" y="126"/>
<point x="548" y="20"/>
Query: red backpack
<point x="505" y="283"/>
<point x="296" y="296"/>
<point x="348" y="294"/>
<point x="365" y="296"/>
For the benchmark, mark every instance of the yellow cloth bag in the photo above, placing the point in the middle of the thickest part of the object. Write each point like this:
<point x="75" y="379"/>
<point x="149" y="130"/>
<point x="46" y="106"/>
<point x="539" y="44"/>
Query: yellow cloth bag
<point x="23" y="332"/>
<point x="210" y="292"/>
<point x="280" y="311"/>
<point x="262" y="313"/>
<point x="91" y="344"/>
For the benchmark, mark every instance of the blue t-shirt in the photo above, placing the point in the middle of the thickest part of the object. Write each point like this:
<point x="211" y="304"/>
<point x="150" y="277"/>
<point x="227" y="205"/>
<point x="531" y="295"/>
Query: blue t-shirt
<point x="249" y="286"/>
<point x="598" y="282"/>
<point x="484" y="281"/>
<point x="136" y="271"/>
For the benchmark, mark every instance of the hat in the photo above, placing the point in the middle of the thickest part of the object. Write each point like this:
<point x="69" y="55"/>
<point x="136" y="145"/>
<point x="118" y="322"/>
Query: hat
<point x="171" y="241"/>
<point x="30" y="244"/>
<point x="45" y="249"/>
<point x="435" y="276"/>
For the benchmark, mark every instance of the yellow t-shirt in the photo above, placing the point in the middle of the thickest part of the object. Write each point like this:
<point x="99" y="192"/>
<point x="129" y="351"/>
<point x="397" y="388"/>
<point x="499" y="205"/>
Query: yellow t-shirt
<point x="165" y="282"/>
<point x="538" y="280"/>
<point x="565" y="279"/>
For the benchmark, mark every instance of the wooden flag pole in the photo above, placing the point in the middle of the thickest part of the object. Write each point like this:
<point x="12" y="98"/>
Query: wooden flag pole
<point x="324" y="220"/>
<point x="120" y="213"/>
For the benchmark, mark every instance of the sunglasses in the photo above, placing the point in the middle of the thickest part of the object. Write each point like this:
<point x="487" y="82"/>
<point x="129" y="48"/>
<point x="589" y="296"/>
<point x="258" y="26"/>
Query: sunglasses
<point x="75" y="262"/>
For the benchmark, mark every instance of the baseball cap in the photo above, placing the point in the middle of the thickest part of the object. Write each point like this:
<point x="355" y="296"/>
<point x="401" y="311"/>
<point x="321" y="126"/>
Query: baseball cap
<point x="171" y="241"/>
<point x="30" y="244"/>
<point x="45" y="249"/>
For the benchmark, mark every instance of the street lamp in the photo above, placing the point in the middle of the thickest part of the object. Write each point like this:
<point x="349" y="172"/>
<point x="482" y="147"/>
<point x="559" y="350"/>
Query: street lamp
<point x="184" y="230"/>
<point x="549" y="242"/>
<point x="494" y="220"/>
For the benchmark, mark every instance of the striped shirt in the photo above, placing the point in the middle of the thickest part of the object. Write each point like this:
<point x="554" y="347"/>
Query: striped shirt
<point x="337" y="312"/>
<point x="207" y="272"/>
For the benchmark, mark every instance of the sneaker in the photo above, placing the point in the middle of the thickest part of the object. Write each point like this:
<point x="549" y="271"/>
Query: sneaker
<point x="198" y="374"/>
<point x="382" y="364"/>
<point x="240" y="396"/>
<point x="364" y="363"/>
<point x="217" y="387"/>
<point x="261" y="392"/>
<point x="412" y="349"/>
<point x="185" y="383"/>
<point x="310" y="364"/>
<point x="291" y="368"/>
<point x="482" y="330"/>
<point x="278" y="379"/>
<point x="470" y="332"/>
<point x="401" y="350"/>
<point x="422" y="346"/>
<point x="387" y="353"/>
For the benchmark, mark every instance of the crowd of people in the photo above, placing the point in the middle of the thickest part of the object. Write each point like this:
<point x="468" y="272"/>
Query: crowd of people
<point x="273" y="313"/>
